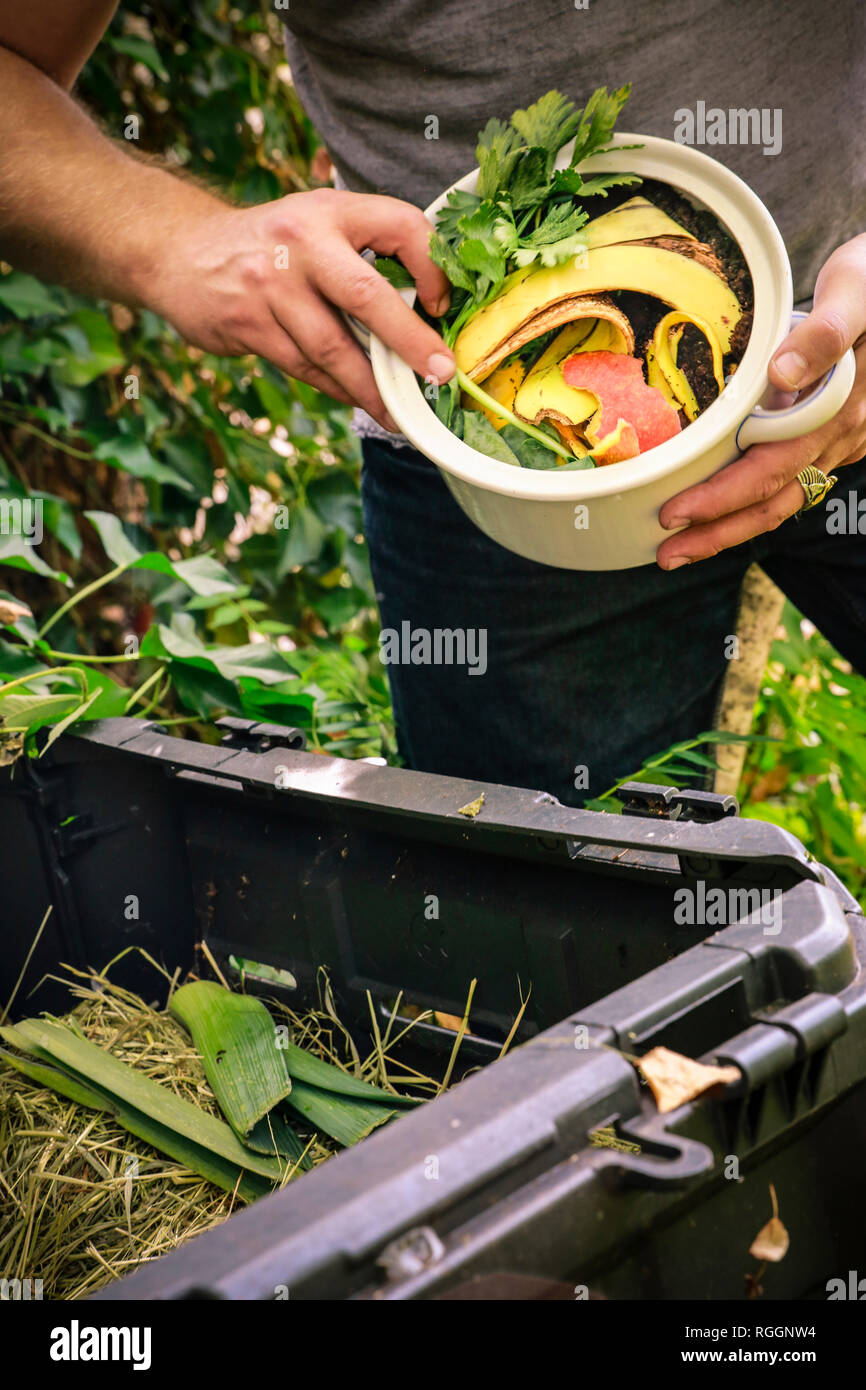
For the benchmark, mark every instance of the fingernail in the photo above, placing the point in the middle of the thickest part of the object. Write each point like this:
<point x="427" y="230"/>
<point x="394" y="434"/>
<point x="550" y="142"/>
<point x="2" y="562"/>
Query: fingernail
<point x="792" y="367"/>
<point x="440" y="367"/>
<point x="676" y="562"/>
<point x="677" y="523"/>
<point x="441" y="306"/>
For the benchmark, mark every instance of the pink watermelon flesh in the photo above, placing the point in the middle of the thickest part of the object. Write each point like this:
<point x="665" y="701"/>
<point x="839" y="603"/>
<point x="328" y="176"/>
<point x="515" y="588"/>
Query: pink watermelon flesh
<point x="618" y="382"/>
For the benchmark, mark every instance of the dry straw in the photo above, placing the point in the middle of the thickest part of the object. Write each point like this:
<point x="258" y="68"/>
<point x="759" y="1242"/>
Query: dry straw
<point x="83" y="1201"/>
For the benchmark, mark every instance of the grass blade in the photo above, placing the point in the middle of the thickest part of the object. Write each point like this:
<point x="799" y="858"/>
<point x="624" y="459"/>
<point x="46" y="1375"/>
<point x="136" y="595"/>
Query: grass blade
<point x="23" y="971"/>
<point x="461" y="1032"/>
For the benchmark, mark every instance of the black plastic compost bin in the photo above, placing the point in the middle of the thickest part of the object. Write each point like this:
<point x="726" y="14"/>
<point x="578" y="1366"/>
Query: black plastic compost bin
<point x="503" y="1186"/>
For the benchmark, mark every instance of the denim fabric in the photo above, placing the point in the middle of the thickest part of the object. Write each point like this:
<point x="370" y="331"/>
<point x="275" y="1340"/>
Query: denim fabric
<point x="594" y="669"/>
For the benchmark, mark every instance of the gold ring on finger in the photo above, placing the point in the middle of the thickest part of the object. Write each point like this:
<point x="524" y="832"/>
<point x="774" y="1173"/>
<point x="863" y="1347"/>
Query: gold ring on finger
<point x="815" y="484"/>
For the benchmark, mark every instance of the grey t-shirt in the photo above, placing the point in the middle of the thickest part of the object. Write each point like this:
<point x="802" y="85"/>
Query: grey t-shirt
<point x="379" y="78"/>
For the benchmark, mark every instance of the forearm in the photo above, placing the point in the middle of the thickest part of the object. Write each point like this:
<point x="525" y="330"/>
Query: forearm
<point x="76" y="208"/>
<point x="80" y="209"/>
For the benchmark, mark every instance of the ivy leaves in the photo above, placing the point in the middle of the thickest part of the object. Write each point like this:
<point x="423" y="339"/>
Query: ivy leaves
<point x="107" y="408"/>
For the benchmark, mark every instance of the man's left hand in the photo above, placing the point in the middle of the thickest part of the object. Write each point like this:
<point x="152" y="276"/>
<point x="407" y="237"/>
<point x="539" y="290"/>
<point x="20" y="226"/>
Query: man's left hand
<point x="760" y="491"/>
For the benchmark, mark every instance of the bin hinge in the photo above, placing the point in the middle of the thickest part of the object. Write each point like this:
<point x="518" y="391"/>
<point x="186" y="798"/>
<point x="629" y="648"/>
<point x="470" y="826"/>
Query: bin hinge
<point x="778" y="1038"/>
<point x="670" y="803"/>
<point x="788" y="1046"/>
<point x="253" y="737"/>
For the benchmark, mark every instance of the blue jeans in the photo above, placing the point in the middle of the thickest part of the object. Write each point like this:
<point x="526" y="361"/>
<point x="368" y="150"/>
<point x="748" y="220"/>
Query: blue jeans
<point x="592" y="670"/>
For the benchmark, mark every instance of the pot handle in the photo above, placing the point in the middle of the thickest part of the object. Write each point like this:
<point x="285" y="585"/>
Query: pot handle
<point x="822" y="403"/>
<point x="359" y="331"/>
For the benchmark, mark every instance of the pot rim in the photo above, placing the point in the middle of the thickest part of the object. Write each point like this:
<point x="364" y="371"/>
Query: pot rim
<point x="740" y="210"/>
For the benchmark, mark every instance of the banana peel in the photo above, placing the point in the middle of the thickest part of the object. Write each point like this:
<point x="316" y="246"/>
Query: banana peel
<point x="661" y="359"/>
<point x="532" y="301"/>
<point x="577" y="415"/>
<point x="604" y="328"/>
<point x="635" y="220"/>
<point x="544" y="396"/>
<point x="586" y="309"/>
<point x="502" y="386"/>
<point x="587" y="382"/>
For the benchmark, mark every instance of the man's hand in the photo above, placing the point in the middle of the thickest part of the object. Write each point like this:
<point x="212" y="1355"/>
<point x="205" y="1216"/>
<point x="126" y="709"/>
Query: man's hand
<point x="76" y="209"/>
<point x="267" y="280"/>
<point x="760" y="491"/>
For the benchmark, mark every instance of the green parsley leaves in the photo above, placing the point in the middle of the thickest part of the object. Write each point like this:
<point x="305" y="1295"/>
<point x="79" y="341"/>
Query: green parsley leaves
<point x="523" y="209"/>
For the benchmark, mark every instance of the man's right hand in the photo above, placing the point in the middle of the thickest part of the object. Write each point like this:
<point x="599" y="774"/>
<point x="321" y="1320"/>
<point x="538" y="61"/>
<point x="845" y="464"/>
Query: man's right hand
<point x="269" y="280"/>
<point x="76" y="209"/>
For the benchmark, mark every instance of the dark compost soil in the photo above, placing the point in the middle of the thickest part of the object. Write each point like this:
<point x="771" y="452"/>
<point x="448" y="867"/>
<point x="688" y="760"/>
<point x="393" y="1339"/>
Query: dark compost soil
<point x="694" y="355"/>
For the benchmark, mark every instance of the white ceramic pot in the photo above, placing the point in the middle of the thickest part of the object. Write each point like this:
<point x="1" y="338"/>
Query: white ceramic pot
<point x="607" y="518"/>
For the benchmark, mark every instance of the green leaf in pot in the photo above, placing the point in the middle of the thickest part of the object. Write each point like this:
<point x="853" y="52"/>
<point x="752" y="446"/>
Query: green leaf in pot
<point x="480" y="434"/>
<point x="446" y="401"/>
<point x="395" y="272"/>
<point x="531" y="453"/>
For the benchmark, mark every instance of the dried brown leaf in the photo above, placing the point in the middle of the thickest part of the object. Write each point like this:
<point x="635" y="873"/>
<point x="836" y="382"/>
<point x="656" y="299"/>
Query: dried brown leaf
<point x="771" y="1243"/>
<point x="447" y="1020"/>
<point x="674" y="1079"/>
<point x="11" y="748"/>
